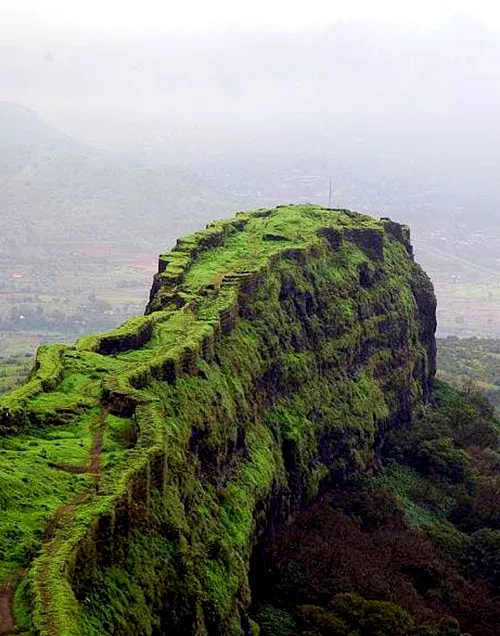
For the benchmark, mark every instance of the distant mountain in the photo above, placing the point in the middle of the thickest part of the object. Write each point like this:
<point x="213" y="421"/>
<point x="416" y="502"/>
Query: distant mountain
<point x="22" y="132"/>
<point x="55" y="191"/>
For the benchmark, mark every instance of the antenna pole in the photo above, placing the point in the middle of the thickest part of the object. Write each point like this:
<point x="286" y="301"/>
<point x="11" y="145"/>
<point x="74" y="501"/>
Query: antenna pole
<point x="330" y="194"/>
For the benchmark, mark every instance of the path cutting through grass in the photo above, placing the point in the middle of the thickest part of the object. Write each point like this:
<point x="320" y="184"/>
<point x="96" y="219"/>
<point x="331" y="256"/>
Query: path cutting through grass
<point x="7" y="625"/>
<point x="62" y="516"/>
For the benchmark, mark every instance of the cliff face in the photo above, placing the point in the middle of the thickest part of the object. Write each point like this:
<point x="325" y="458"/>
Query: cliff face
<point x="276" y="350"/>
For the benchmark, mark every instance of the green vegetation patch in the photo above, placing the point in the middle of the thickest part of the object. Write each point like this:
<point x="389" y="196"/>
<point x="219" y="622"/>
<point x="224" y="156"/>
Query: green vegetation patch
<point x="31" y="491"/>
<point x="471" y="361"/>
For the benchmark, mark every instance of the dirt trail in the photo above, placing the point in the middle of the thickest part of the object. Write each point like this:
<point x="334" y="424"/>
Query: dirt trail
<point x="7" y="623"/>
<point x="6" y="618"/>
<point x="66" y="512"/>
<point x="93" y="465"/>
<point x="94" y="462"/>
<point x="62" y="515"/>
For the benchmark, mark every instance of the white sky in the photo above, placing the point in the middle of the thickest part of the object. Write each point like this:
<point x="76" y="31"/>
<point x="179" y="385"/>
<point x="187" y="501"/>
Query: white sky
<point x="133" y="15"/>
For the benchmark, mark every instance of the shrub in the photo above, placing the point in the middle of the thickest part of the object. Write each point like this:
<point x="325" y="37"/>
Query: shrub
<point x="352" y="615"/>
<point x="482" y="555"/>
<point x="441" y="457"/>
<point x="273" y="621"/>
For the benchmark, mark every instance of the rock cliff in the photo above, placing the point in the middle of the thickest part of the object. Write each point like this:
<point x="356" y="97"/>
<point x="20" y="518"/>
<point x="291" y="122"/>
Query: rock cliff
<point x="139" y="467"/>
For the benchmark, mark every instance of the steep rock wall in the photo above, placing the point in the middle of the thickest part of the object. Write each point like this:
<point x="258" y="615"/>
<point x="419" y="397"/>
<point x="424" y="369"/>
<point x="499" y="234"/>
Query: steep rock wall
<point x="277" y="349"/>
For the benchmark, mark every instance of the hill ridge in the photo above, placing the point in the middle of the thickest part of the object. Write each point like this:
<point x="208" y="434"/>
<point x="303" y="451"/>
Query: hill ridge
<point x="203" y="398"/>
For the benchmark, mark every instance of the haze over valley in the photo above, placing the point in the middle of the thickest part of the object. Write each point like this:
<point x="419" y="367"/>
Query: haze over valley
<point x="113" y="145"/>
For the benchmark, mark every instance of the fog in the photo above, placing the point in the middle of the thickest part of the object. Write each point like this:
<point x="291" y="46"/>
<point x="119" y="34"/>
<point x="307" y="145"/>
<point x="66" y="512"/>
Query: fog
<point x="396" y="88"/>
<point x="427" y="98"/>
<point x="402" y="117"/>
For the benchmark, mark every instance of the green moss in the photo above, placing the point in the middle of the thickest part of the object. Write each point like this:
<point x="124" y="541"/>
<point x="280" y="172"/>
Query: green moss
<point x="221" y="586"/>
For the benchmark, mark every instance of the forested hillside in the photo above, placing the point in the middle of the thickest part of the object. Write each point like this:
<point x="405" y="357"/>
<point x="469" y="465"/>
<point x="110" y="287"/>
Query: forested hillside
<point x="413" y="549"/>
<point x="471" y="361"/>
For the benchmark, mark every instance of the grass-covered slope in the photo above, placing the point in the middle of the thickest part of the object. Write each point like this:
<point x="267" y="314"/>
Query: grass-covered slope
<point x="138" y="467"/>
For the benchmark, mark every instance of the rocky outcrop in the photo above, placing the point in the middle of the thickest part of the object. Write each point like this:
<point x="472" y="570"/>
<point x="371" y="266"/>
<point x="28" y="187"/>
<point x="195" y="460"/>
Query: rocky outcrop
<point x="276" y="351"/>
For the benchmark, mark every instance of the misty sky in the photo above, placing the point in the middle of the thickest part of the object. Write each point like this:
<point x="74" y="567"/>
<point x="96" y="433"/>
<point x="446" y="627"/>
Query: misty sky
<point x="367" y="79"/>
<point x="131" y="15"/>
<point x="397" y="102"/>
<point x="250" y="74"/>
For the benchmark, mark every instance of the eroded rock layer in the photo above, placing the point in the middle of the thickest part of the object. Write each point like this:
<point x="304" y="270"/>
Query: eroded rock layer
<point x="139" y="467"/>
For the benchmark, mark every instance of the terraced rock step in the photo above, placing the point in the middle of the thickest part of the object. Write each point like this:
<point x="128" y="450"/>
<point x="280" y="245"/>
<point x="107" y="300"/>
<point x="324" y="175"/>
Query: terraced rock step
<point x="138" y="468"/>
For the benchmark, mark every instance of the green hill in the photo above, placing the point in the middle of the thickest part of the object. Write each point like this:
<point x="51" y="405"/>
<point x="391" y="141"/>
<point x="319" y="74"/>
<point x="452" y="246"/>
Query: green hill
<point x="139" y="468"/>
